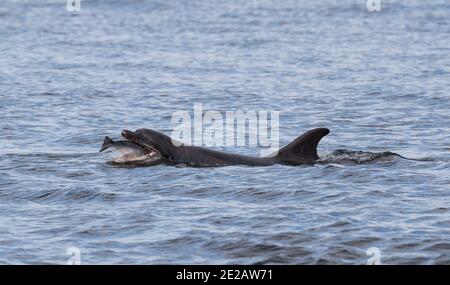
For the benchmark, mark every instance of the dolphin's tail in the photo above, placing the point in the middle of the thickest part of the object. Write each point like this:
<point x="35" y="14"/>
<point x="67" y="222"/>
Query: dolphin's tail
<point x="106" y="144"/>
<point x="303" y="149"/>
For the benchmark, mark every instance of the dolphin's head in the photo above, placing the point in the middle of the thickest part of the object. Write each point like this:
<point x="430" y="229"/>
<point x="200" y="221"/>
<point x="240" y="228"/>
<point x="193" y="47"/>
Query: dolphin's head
<point x="152" y="141"/>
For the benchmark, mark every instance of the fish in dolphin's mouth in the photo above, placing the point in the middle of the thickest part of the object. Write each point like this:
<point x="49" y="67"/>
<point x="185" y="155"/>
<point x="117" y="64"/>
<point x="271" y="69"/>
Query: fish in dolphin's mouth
<point x="130" y="153"/>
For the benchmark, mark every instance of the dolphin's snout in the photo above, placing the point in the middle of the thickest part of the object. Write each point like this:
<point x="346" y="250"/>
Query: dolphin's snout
<point x="127" y="134"/>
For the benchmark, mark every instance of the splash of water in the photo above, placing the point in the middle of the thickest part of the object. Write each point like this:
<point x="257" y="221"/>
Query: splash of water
<point x="358" y="157"/>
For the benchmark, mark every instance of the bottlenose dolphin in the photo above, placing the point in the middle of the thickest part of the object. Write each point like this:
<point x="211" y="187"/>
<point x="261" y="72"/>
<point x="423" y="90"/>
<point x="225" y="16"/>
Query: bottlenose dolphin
<point x="159" y="148"/>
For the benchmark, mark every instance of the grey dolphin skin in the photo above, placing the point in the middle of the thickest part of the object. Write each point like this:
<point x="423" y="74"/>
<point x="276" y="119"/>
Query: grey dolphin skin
<point x="160" y="147"/>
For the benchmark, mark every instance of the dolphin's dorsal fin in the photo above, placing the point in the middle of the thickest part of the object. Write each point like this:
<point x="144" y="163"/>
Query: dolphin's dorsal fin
<point x="303" y="149"/>
<point x="106" y="143"/>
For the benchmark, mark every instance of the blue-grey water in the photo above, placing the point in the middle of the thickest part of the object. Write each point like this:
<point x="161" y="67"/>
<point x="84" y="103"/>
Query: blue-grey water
<point x="378" y="80"/>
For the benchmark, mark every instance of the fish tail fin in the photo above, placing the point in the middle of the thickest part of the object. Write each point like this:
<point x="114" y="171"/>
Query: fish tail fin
<point x="106" y="143"/>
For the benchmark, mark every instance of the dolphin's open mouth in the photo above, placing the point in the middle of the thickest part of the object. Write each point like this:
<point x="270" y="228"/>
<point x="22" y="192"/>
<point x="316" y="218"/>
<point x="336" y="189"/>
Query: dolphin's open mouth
<point x="132" y="137"/>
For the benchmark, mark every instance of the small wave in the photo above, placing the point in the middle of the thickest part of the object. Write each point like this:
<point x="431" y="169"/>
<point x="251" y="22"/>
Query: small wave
<point x="3" y="13"/>
<point x="76" y="195"/>
<point x="48" y="155"/>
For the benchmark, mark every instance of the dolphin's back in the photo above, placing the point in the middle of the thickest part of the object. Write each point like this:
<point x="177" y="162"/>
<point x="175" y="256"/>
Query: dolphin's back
<point x="302" y="150"/>
<point x="199" y="156"/>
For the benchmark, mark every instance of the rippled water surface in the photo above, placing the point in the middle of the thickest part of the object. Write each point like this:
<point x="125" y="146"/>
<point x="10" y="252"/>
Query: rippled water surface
<point x="378" y="80"/>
